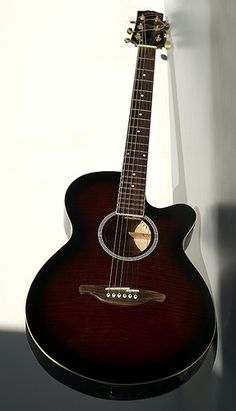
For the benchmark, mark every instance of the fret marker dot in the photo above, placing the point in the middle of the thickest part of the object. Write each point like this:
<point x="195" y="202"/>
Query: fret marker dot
<point x="132" y="185"/>
<point x="134" y="174"/>
<point x="144" y="75"/>
<point x="144" y="155"/>
<point x="138" y="131"/>
<point x="142" y="95"/>
<point x="140" y="114"/>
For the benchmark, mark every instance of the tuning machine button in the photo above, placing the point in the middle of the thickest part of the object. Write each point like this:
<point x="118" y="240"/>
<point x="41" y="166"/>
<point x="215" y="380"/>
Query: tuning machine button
<point x="167" y="45"/>
<point x="138" y="36"/>
<point x="129" y="30"/>
<point x="166" y="26"/>
<point x="127" y="40"/>
<point x="157" y="28"/>
<point x="132" y="22"/>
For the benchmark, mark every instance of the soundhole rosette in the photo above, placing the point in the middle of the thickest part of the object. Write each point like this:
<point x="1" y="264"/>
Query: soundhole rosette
<point x="127" y="238"/>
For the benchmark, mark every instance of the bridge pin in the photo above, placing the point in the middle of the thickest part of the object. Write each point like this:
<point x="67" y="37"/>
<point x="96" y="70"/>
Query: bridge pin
<point x="130" y="296"/>
<point x="119" y="295"/>
<point x="124" y="295"/>
<point x="108" y="295"/>
<point x="135" y="296"/>
<point x="113" y="295"/>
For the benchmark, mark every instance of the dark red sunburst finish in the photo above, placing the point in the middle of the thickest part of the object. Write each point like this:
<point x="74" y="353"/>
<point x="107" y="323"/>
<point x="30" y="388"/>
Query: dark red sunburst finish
<point x="119" y="352"/>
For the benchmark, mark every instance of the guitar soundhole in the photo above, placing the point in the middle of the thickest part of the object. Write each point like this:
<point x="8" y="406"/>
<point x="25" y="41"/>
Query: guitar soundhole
<point x="127" y="238"/>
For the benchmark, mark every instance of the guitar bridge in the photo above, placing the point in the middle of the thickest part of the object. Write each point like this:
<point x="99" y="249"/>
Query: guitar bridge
<point x="122" y="295"/>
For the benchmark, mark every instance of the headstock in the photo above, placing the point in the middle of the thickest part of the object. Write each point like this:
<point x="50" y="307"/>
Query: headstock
<point x="150" y="30"/>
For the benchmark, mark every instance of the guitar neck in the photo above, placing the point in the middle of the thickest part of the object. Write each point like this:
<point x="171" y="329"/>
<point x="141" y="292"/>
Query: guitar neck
<point x="131" y="195"/>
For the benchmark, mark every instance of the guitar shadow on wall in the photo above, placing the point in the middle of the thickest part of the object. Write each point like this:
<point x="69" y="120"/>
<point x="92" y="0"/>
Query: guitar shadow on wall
<point x="180" y="190"/>
<point x="225" y="215"/>
<point x="198" y="392"/>
<point x="223" y="86"/>
<point x="216" y="391"/>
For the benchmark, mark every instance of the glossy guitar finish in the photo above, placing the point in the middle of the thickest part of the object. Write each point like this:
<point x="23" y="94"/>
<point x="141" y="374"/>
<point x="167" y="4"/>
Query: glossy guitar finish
<point x="120" y="312"/>
<point x="117" y="351"/>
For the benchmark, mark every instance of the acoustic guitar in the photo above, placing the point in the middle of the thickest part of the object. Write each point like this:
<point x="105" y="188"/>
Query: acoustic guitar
<point x="120" y="312"/>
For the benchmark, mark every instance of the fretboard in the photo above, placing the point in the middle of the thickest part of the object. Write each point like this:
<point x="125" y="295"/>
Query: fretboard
<point x="131" y="196"/>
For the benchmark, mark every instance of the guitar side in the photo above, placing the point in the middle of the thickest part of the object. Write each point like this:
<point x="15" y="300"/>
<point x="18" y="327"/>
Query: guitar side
<point x="119" y="351"/>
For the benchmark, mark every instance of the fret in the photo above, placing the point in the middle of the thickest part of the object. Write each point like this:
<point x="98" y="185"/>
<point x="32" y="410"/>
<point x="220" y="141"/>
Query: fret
<point x="141" y="109"/>
<point x="132" y="186"/>
<point x="136" y="151"/>
<point x="147" y="128"/>
<point x="143" y="101"/>
<point x="140" y="176"/>
<point x="131" y="194"/>
<point x="134" y="158"/>
<point x="140" y="118"/>
<point x="123" y="209"/>
<point x="144" y="80"/>
<point x="139" y="137"/>
<point x="133" y="178"/>
<point x="132" y="165"/>
<point x="134" y="198"/>
<point x="126" y="202"/>
<point x="145" y="69"/>
<point x="128" y="197"/>
<point x="129" y="207"/>
<point x="132" y="204"/>
<point x="144" y="87"/>
<point x="137" y="142"/>
<point x="127" y="193"/>
<point x="145" y="58"/>
<point x="140" y="91"/>
<point x="130" y="213"/>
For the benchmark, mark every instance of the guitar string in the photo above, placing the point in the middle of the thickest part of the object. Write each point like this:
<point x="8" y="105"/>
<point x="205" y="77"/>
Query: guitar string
<point x="120" y="227"/>
<point x="127" y="172"/>
<point x="142" y="55"/>
<point x="135" y="268"/>
<point x="131" y="167"/>
<point x="120" y="217"/>
<point x="147" y="65"/>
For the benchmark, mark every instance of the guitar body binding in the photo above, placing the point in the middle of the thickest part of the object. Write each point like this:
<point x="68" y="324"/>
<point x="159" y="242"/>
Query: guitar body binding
<point x="113" y="349"/>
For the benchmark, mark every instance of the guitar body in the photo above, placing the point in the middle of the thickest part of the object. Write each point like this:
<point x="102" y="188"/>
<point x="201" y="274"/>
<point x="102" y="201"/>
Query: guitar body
<point x="108" y="346"/>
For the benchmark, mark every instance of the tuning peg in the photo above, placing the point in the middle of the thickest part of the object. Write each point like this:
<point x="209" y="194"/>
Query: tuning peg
<point x="166" y="26"/>
<point x="138" y="36"/>
<point x="142" y="17"/>
<point x="140" y="26"/>
<point x="157" y="28"/>
<point x="127" y="40"/>
<point x="167" y="45"/>
<point x="132" y="22"/>
<point x="130" y="31"/>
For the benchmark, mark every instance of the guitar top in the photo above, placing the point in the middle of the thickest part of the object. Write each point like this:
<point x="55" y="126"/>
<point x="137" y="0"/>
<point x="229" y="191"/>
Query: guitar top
<point x="120" y="312"/>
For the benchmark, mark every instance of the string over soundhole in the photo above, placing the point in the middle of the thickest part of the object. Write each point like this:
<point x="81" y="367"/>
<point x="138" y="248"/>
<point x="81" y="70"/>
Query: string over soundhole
<point x="126" y="237"/>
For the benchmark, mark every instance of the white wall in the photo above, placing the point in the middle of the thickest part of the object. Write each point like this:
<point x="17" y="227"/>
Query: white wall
<point x="66" y="80"/>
